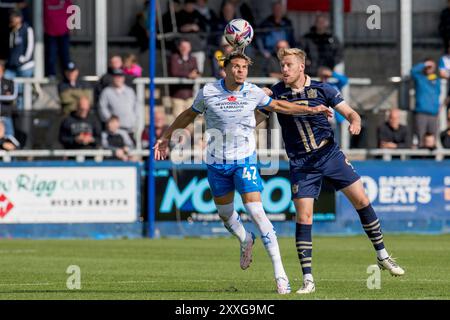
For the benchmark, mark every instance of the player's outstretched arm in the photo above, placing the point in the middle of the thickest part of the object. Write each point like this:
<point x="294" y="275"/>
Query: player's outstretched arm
<point x="287" y="107"/>
<point x="351" y="115"/>
<point x="181" y="122"/>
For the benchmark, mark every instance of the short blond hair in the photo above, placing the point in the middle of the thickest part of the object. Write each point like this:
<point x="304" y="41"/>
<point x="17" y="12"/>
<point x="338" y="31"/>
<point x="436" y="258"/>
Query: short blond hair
<point x="299" y="53"/>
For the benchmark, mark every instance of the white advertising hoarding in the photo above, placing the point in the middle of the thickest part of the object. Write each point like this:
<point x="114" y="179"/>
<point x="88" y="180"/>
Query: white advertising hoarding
<point x="79" y="194"/>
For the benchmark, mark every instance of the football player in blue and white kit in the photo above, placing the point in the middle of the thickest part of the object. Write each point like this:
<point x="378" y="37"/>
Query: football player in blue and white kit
<point x="229" y="106"/>
<point x="314" y="155"/>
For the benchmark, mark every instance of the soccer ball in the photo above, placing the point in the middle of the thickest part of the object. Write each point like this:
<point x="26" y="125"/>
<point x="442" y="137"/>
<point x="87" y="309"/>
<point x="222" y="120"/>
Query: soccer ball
<point x="238" y="33"/>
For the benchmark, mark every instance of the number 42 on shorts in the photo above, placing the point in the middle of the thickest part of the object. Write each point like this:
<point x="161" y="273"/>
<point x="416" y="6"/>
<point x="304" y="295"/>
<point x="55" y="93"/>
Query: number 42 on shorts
<point x="249" y="173"/>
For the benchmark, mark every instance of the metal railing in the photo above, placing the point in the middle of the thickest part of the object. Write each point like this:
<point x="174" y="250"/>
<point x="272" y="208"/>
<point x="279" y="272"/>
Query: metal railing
<point x="99" y="155"/>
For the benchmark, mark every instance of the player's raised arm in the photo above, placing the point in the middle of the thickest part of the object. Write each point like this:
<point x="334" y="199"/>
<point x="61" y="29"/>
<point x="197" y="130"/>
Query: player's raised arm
<point x="287" y="107"/>
<point x="181" y="122"/>
<point x="351" y="115"/>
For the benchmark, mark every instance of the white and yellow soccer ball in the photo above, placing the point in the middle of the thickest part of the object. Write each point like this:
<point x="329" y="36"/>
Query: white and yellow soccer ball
<point x="238" y="33"/>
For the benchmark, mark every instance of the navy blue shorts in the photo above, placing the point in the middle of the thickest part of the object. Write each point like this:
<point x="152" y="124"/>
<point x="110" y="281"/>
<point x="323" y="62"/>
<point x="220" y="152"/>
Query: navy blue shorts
<point x="308" y="171"/>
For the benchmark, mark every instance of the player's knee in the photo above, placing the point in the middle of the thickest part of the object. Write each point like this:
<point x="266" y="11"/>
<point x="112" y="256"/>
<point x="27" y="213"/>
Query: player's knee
<point x="361" y="202"/>
<point x="304" y="217"/>
<point x="256" y="212"/>
<point x="225" y="210"/>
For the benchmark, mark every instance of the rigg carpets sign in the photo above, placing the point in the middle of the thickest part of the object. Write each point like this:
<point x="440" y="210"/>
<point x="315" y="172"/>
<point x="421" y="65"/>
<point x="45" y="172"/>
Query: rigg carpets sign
<point x="75" y="194"/>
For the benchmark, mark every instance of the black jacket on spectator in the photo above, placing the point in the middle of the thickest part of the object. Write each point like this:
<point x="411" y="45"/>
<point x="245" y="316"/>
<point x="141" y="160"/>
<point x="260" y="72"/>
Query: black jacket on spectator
<point x="197" y="40"/>
<point x="445" y="139"/>
<point x="5" y="10"/>
<point x="444" y="26"/>
<point x="6" y="107"/>
<point x="21" y="44"/>
<point x="388" y="134"/>
<point x="73" y="125"/>
<point x="328" y="50"/>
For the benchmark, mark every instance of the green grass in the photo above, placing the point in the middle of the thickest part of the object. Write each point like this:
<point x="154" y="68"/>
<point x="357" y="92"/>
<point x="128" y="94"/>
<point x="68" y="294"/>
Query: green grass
<point x="209" y="269"/>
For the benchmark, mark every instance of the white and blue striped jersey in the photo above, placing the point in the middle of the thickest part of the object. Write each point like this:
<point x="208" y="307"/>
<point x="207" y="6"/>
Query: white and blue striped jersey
<point x="230" y="118"/>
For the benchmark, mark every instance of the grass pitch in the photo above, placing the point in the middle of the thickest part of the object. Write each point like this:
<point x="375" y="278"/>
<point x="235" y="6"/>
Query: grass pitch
<point x="209" y="269"/>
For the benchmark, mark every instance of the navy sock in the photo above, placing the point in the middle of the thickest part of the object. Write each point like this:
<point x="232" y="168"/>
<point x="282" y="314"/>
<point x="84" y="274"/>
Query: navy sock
<point x="303" y="243"/>
<point x="371" y="226"/>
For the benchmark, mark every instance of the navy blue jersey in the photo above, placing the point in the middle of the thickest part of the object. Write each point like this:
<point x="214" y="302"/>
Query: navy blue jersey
<point x="303" y="134"/>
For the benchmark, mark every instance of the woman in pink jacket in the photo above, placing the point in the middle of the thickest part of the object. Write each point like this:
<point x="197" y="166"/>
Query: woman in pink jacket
<point x="130" y="66"/>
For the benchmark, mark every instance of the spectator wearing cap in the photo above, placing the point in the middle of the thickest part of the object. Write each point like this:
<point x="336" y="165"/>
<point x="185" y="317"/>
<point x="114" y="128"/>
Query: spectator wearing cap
<point x="115" y="64"/>
<point x="56" y="35"/>
<point x="21" y="48"/>
<point x="8" y="95"/>
<point x="71" y="89"/>
<point x="120" y="100"/>
<point x="7" y="141"/>
<point x="428" y="89"/>
<point x="275" y="28"/>
<point x="391" y="134"/>
<point x="182" y="65"/>
<point x="81" y="129"/>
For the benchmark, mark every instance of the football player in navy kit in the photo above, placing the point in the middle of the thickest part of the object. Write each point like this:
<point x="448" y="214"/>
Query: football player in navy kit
<point x="314" y="155"/>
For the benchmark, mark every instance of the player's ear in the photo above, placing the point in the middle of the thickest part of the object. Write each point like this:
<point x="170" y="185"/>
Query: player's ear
<point x="302" y="66"/>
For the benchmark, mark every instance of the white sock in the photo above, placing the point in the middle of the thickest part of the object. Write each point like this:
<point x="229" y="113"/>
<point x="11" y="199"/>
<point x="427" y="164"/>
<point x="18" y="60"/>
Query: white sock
<point x="268" y="236"/>
<point x="232" y="221"/>
<point x="382" y="254"/>
<point x="308" y="276"/>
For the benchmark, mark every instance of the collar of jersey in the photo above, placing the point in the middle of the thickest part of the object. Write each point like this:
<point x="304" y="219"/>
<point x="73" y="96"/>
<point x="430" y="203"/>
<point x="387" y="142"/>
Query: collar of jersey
<point x="222" y="83"/>
<point x="307" y="84"/>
